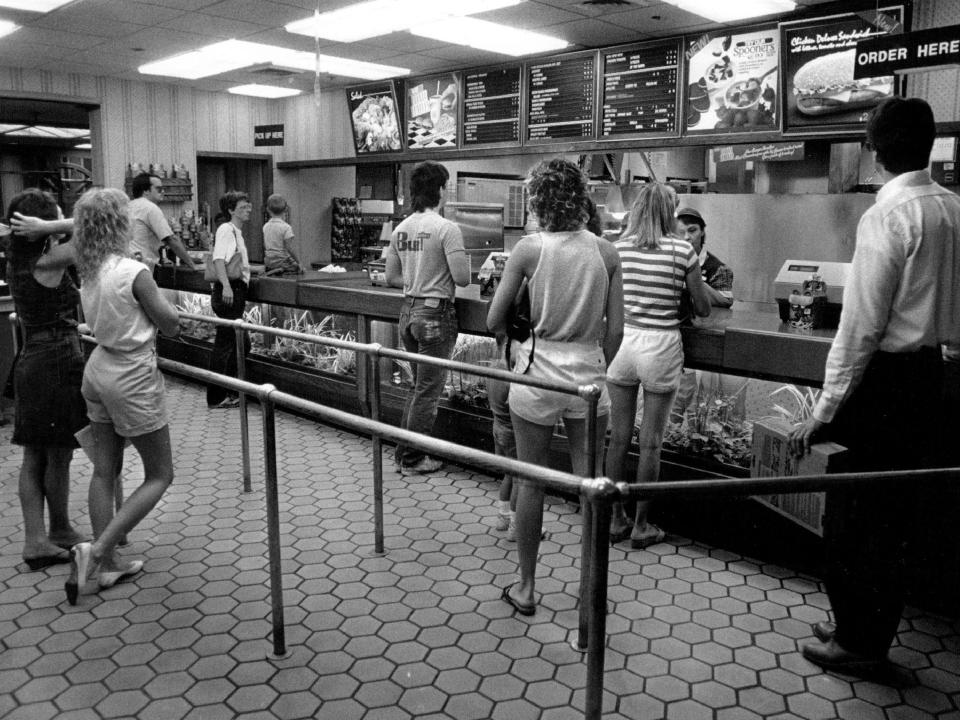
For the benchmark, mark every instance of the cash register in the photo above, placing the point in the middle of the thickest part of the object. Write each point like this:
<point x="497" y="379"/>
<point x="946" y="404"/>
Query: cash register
<point x="795" y="273"/>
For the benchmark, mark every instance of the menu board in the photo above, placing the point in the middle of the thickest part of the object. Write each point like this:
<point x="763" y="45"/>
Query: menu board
<point x="640" y="90"/>
<point x="491" y="106"/>
<point x="432" y="111"/>
<point x="820" y="94"/>
<point x="561" y="94"/>
<point x="374" y="118"/>
<point x="732" y="83"/>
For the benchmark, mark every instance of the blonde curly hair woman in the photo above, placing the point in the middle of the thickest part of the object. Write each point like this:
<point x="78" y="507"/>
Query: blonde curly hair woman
<point x="122" y="385"/>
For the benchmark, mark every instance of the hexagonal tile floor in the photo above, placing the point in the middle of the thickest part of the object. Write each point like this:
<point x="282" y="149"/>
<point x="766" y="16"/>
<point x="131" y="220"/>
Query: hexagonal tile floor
<point x="695" y="632"/>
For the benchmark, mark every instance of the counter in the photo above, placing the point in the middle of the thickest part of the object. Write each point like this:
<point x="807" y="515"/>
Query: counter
<point x="748" y="339"/>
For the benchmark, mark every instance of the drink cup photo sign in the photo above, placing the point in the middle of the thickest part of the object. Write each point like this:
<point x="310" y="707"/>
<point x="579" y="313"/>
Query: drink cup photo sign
<point x="819" y="56"/>
<point x="732" y="82"/>
<point x="433" y="111"/>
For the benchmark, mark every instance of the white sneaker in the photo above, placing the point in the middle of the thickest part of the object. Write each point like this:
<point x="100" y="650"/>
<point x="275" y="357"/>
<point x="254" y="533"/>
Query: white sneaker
<point x="503" y="520"/>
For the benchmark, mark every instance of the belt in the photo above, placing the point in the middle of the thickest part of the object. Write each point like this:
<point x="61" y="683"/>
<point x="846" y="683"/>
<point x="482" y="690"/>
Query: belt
<point x="48" y="332"/>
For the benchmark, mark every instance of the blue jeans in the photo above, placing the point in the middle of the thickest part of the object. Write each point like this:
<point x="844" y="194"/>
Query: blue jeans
<point x="428" y="331"/>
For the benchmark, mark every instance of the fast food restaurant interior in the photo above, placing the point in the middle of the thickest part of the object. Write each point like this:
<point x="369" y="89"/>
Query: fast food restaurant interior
<point x="753" y="116"/>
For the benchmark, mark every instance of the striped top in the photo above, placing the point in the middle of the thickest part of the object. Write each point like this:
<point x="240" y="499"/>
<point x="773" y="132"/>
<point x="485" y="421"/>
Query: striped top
<point x="653" y="281"/>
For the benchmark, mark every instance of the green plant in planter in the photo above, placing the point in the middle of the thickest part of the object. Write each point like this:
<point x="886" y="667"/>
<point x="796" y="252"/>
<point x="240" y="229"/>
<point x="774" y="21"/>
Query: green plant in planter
<point x="313" y="355"/>
<point x="713" y="427"/>
<point x="463" y="388"/>
<point x="196" y="304"/>
<point x="804" y="400"/>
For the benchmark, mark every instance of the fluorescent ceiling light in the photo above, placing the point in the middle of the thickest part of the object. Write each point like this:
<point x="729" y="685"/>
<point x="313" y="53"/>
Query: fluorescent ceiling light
<point x="230" y="55"/>
<point x="264" y="91"/>
<point x="738" y="10"/>
<point x="381" y="17"/>
<point x="83" y="146"/>
<point x="490" y="36"/>
<point x="7" y="27"/>
<point x="44" y="131"/>
<point x="40" y="6"/>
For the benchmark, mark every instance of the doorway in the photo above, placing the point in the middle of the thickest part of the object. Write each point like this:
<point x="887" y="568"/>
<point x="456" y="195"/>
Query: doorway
<point x="253" y="174"/>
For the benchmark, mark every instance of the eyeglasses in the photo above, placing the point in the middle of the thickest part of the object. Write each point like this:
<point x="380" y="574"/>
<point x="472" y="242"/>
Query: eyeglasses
<point x="158" y="188"/>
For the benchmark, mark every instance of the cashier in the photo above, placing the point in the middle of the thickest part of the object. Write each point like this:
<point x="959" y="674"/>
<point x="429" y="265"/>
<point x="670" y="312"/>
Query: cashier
<point x="717" y="276"/>
<point x="426" y="258"/>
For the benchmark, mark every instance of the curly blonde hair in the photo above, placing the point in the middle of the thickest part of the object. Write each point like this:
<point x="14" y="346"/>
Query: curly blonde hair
<point x="101" y="227"/>
<point x="558" y="195"/>
<point x="651" y="216"/>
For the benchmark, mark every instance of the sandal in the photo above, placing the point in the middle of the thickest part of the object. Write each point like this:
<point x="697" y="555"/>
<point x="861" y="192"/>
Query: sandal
<point x="653" y="536"/>
<point x="520" y="608"/>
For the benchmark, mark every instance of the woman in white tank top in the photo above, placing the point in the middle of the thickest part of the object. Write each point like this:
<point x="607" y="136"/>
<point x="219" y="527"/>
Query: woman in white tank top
<point x="122" y="385"/>
<point x="576" y="304"/>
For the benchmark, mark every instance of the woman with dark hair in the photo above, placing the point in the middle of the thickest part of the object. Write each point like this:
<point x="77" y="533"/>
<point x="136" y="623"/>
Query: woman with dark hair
<point x="229" y="297"/>
<point x="122" y="385"/>
<point x="576" y="304"/>
<point x="656" y="268"/>
<point x="49" y="408"/>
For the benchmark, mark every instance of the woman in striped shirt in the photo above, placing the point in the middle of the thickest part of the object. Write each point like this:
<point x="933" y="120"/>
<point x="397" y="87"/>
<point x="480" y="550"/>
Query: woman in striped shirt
<point x="657" y="267"/>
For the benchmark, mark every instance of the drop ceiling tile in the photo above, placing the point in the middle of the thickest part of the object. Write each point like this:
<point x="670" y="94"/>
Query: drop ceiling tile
<point x="91" y="17"/>
<point x="269" y="14"/>
<point x="214" y="28"/>
<point x="593" y="32"/>
<point x="43" y="36"/>
<point x="157" y="43"/>
<point x="184" y="5"/>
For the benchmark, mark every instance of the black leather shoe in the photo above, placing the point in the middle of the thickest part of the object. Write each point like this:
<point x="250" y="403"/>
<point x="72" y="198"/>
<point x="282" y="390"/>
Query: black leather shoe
<point x="824" y="631"/>
<point x="831" y="656"/>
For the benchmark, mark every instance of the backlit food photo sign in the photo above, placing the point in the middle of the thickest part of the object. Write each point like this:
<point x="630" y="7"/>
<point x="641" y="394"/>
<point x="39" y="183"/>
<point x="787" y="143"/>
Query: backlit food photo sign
<point x="732" y="83"/>
<point x="821" y="90"/>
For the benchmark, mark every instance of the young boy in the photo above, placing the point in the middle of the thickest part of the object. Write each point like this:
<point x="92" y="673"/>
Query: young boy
<point x="277" y="239"/>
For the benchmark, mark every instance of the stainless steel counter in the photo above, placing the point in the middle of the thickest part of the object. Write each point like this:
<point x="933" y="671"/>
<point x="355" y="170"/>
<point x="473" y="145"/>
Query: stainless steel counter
<point x="747" y="340"/>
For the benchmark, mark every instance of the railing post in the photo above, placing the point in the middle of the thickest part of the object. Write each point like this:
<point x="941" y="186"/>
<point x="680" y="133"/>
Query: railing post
<point x="244" y="426"/>
<point x="588" y="522"/>
<point x="374" y="391"/>
<point x="599" y="495"/>
<point x="273" y="519"/>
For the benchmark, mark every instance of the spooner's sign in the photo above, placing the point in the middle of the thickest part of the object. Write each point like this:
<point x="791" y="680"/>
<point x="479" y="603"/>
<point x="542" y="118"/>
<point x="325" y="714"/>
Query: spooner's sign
<point x="909" y="52"/>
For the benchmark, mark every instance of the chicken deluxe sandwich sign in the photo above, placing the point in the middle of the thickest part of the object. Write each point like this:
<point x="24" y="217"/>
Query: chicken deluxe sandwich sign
<point x="821" y="91"/>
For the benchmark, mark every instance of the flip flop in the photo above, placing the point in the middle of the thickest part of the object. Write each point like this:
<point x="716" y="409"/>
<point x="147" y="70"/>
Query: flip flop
<point x="45" y="561"/>
<point x="645" y="541"/>
<point x="80" y="557"/>
<point x="522" y="609"/>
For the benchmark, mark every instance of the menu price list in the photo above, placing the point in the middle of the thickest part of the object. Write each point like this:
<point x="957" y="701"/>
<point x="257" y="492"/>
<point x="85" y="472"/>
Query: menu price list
<point x="492" y="107"/>
<point x="562" y="93"/>
<point x="640" y="90"/>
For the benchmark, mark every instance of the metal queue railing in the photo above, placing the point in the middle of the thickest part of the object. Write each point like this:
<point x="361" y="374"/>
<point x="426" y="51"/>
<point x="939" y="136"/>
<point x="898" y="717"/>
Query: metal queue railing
<point x="598" y="493"/>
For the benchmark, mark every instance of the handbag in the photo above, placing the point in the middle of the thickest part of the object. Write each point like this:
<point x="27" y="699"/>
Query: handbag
<point x="234" y="266"/>
<point x="520" y="324"/>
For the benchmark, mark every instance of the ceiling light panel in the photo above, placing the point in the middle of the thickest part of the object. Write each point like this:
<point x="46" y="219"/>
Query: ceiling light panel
<point x="382" y="17"/>
<point x="39" y="6"/>
<point x="231" y="55"/>
<point x="7" y="27"/>
<point x="723" y="12"/>
<point x="263" y="91"/>
<point x="489" y="36"/>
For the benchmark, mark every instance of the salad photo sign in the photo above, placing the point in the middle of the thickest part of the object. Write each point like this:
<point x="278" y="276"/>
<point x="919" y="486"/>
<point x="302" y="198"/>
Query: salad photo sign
<point x="374" y="118"/>
<point x="821" y="93"/>
<point x="732" y="83"/>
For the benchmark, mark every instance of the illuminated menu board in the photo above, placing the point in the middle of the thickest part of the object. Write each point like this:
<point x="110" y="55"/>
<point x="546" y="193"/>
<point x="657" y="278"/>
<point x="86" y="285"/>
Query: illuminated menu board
<point x="491" y="106"/>
<point x="640" y="90"/>
<point x="561" y="94"/>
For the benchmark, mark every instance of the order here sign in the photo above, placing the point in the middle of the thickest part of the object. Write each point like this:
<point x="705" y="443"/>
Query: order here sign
<point x="908" y="52"/>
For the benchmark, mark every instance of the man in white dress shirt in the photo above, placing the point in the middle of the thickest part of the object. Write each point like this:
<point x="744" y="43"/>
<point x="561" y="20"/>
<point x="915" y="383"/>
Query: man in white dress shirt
<point x="882" y="385"/>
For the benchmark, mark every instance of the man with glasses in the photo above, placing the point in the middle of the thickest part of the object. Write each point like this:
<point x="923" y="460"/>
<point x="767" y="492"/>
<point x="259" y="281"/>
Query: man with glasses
<point x="149" y="228"/>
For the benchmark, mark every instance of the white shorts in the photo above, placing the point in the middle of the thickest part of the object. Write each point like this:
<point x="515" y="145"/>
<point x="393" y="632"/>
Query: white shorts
<point x="126" y="392"/>
<point x="577" y="363"/>
<point x="651" y="358"/>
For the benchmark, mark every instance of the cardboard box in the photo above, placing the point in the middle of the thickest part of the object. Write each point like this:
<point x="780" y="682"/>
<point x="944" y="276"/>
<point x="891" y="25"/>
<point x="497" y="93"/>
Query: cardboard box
<point x="772" y="458"/>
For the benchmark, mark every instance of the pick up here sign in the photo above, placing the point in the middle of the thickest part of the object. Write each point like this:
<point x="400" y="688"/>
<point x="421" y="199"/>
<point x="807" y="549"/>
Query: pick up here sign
<point x="909" y="52"/>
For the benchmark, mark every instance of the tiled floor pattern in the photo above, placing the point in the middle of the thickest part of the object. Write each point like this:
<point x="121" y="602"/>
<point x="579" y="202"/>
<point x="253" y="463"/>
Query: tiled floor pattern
<point x="695" y="632"/>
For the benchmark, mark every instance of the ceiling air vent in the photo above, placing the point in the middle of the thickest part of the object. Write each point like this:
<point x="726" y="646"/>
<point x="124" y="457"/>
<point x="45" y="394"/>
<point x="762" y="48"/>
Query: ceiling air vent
<point x="274" y="72"/>
<point x="602" y="3"/>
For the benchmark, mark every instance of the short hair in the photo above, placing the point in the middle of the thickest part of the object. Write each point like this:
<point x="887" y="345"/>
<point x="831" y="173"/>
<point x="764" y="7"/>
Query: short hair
<point x="558" y="195"/>
<point x="230" y="199"/>
<point x="425" y="184"/>
<point x="276" y="204"/>
<point x="101" y="227"/>
<point x="141" y="183"/>
<point x="651" y="216"/>
<point x="35" y="203"/>
<point x="902" y="131"/>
